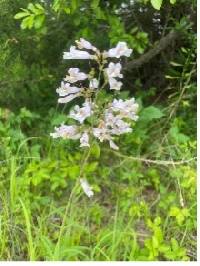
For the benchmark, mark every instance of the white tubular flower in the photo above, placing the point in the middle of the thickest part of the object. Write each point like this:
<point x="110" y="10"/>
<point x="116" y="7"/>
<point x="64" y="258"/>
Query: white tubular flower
<point x="94" y="83"/>
<point x="113" y="70"/>
<point x="82" y="113"/>
<point x="126" y="109"/>
<point x="120" y="127"/>
<point x="109" y="118"/>
<point x="113" y="145"/>
<point x="67" y="92"/>
<point x="75" y="75"/>
<point x="101" y="132"/>
<point x="66" y="132"/>
<point x="86" y="188"/>
<point x="83" y="44"/>
<point x="116" y="125"/>
<point x="120" y="50"/>
<point x="77" y="54"/>
<point x="84" y="140"/>
<point x="65" y="89"/>
<point x="114" y="84"/>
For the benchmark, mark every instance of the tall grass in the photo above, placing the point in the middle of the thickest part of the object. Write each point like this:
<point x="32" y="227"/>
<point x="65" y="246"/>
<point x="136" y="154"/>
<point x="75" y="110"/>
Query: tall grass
<point x="27" y="222"/>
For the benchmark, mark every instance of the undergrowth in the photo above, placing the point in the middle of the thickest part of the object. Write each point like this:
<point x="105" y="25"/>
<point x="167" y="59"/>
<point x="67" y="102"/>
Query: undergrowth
<point x="144" y="206"/>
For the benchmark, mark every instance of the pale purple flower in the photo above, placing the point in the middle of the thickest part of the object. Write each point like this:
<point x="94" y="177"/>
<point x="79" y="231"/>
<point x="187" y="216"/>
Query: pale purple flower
<point x="77" y="54"/>
<point x="125" y="108"/>
<point x="67" y="92"/>
<point x="94" y="83"/>
<point x="66" y="132"/>
<point x="114" y="84"/>
<point x="120" y="127"/>
<point x="84" y="140"/>
<point x="65" y="89"/>
<point x="75" y="75"/>
<point x="86" y="187"/>
<point x="113" y="145"/>
<point x="120" y="50"/>
<point x="101" y="132"/>
<point x="116" y="125"/>
<point x="113" y="70"/>
<point x="83" y="44"/>
<point x="81" y="113"/>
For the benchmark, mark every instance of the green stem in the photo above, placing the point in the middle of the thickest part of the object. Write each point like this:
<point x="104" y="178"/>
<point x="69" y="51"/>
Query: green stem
<point x="86" y="156"/>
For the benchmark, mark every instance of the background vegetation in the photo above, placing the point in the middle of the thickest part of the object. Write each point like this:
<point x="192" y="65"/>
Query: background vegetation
<point x="144" y="206"/>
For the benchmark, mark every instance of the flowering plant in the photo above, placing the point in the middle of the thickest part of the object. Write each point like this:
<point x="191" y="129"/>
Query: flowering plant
<point x="94" y="120"/>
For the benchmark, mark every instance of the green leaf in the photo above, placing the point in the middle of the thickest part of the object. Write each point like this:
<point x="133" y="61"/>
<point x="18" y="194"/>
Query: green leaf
<point x="30" y="21"/>
<point x="25" y="23"/>
<point x="149" y="113"/>
<point x="155" y="242"/>
<point x="95" y="150"/>
<point x="56" y="5"/>
<point x="58" y="119"/>
<point x="174" y="211"/>
<point x="177" y="136"/>
<point x="174" y="244"/>
<point x="74" y="5"/>
<point x="156" y="4"/>
<point x="179" y="214"/>
<point x="157" y="220"/>
<point x="172" y="2"/>
<point x="31" y="7"/>
<point x="77" y="21"/>
<point x="39" y="6"/>
<point x="21" y="15"/>
<point x="91" y="167"/>
<point x="99" y="13"/>
<point x="39" y="21"/>
<point x="67" y="10"/>
<point x="94" y="4"/>
<point x="73" y="171"/>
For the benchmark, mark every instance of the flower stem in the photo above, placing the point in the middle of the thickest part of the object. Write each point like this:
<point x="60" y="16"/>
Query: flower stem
<point x="86" y="156"/>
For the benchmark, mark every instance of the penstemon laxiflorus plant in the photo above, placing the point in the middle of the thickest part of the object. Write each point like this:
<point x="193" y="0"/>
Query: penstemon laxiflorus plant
<point x="94" y="120"/>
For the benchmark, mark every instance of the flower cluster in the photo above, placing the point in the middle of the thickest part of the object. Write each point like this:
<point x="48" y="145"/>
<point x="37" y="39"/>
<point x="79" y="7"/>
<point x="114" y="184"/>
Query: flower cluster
<point x="92" y="119"/>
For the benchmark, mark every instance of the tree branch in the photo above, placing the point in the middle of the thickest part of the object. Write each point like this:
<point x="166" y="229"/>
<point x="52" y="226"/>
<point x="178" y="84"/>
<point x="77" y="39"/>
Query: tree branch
<point x="150" y="161"/>
<point x="160" y="46"/>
